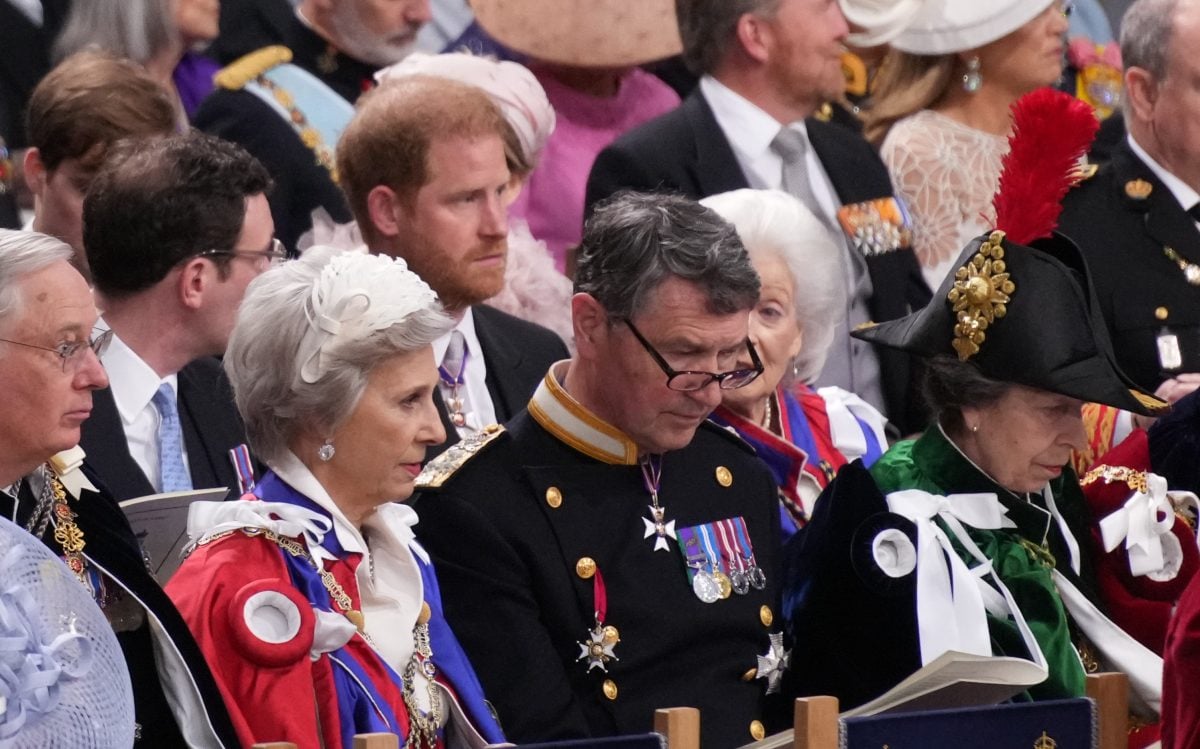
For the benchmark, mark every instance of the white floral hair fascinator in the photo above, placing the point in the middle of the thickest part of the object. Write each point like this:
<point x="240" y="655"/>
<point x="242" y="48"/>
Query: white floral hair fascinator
<point x="356" y="295"/>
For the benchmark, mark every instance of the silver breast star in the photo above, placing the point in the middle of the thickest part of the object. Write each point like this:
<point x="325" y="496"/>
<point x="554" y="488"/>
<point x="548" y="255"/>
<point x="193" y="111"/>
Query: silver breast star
<point x="772" y="665"/>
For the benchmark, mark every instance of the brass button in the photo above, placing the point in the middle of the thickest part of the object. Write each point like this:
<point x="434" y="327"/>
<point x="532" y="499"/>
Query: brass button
<point x="611" y="635"/>
<point x="750" y="675"/>
<point x="554" y="497"/>
<point x="586" y="567"/>
<point x="724" y="477"/>
<point x="766" y="616"/>
<point x="757" y="730"/>
<point x="610" y="689"/>
<point x="491" y="429"/>
<point x="1161" y="313"/>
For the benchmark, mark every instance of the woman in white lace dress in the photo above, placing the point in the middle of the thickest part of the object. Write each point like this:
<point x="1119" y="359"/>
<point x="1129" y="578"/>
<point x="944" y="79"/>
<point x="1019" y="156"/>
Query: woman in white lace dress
<point x="940" y="111"/>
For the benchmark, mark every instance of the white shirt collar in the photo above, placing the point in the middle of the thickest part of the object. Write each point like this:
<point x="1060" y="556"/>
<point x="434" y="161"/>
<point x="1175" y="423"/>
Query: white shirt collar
<point x="748" y="128"/>
<point x="1186" y="196"/>
<point x="132" y="381"/>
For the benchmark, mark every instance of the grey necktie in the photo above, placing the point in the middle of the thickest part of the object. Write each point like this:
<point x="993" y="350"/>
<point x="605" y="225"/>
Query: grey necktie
<point x="792" y="146"/>
<point x="453" y="375"/>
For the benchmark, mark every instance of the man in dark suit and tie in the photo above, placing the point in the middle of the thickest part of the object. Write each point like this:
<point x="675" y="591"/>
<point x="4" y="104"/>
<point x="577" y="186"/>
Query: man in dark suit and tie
<point x="766" y="66"/>
<point x="424" y="169"/>
<point x="1137" y="217"/>
<point x="174" y="230"/>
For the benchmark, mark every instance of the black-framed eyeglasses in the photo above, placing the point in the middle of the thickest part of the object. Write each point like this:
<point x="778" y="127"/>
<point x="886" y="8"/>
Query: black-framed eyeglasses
<point x="72" y="353"/>
<point x="273" y="255"/>
<point x="689" y="380"/>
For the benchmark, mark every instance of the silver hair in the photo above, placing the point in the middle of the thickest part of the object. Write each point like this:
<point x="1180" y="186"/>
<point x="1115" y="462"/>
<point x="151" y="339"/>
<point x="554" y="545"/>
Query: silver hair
<point x="262" y="358"/>
<point x="23" y="253"/>
<point x="773" y="222"/>
<point x="1146" y="31"/>
<point x="635" y="241"/>
<point x="707" y="28"/>
<point x="136" y="29"/>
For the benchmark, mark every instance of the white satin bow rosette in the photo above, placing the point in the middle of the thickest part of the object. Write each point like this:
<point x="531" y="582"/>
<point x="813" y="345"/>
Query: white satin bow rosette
<point x="207" y="520"/>
<point x="1144" y="525"/>
<point x="356" y="295"/>
<point x="953" y="599"/>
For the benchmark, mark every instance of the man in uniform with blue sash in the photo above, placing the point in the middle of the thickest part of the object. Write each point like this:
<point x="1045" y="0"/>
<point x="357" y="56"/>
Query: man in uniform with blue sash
<point x="288" y="106"/>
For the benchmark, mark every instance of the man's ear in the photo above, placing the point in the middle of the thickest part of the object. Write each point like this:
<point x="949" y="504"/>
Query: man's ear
<point x="194" y="280"/>
<point x="35" y="172"/>
<point x="1142" y="91"/>
<point x="385" y="210"/>
<point x="754" y="36"/>
<point x="589" y="321"/>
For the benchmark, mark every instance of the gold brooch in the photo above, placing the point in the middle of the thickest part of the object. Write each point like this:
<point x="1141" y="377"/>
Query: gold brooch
<point x="1138" y="189"/>
<point x="981" y="290"/>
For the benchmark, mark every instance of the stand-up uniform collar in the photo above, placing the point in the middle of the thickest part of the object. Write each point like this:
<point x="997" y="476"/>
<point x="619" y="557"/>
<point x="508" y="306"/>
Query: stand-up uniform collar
<point x="566" y="418"/>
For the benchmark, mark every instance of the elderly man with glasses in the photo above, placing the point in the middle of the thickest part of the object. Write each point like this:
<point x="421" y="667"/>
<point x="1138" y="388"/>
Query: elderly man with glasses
<point x="610" y="551"/>
<point x="50" y="367"/>
<point x="174" y="230"/>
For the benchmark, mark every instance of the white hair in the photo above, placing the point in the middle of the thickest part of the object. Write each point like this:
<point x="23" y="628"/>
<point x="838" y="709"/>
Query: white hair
<point x="23" y="253"/>
<point x="310" y="331"/>
<point x="771" y="221"/>
<point x="136" y="29"/>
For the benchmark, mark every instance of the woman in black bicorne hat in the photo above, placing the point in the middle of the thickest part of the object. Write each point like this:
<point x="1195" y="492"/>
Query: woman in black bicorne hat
<point x="983" y="509"/>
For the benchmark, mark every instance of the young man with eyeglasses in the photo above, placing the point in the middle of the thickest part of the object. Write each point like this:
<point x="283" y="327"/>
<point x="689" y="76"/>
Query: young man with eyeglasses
<point x="50" y="366"/>
<point x="174" y="231"/>
<point x="611" y="551"/>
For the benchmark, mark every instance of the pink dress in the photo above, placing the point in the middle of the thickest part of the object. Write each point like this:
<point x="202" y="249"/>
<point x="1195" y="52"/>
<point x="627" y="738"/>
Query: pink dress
<point x="552" y="200"/>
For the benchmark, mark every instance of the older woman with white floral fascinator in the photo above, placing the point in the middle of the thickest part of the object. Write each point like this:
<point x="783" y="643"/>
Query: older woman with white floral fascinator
<point x="319" y="612"/>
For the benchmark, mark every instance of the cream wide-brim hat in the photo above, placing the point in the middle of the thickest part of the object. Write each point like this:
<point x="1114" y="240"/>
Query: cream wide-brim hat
<point x="940" y="27"/>
<point x="583" y="33"/>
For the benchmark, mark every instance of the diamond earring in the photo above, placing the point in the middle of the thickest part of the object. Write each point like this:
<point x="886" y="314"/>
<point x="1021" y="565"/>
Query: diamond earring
<point x="325" y="452"/>
<point x="972" y="80"/>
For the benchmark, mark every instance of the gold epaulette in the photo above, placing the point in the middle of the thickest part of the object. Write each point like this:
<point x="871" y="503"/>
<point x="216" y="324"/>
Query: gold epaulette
<point x="241" y="71"/>
<point x="441" y="468"/>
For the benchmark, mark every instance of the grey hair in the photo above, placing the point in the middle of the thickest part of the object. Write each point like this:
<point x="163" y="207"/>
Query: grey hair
<point x="1146" y="31"/>
<point x="136" y="29"/>
<point x="951" y="385"/>
<point x="707" y="27"/>
<point x="23" y="253"/>
<point x="771" y="221"/>
<point x="634" y="241"/>
<point x="262" y="359"/>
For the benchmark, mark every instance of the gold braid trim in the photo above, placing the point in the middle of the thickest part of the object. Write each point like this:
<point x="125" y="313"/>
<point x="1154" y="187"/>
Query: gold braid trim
<point x="241" y="71"/>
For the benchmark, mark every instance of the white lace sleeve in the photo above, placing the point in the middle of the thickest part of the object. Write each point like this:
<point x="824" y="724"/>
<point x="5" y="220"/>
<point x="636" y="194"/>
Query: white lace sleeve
<point x="946" y="173"/>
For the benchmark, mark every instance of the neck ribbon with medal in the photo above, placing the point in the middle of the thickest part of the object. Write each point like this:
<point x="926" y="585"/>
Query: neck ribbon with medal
<point x="454" y="404"/>
<point x="656" y="525"/>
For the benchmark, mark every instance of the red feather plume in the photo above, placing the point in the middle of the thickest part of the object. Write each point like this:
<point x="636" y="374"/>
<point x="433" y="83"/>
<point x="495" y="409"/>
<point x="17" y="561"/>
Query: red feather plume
<point x="1051" y="132"/>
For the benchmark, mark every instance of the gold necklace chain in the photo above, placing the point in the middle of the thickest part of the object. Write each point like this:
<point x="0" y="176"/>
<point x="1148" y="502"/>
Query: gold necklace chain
<point x="67" y="534"/>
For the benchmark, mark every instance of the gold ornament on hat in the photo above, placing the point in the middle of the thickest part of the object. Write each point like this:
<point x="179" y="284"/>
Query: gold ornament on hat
<point x="982" y="290"/>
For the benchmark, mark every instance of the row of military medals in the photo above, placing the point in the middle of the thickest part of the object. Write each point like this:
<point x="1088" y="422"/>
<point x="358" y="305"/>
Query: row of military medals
<point x="719" y="556"/>
<point x="720" y="560"/>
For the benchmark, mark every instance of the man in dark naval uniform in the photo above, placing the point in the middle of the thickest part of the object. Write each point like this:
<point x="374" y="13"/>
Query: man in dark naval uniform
<point x="611" y="552"/>
<point x="766" y="67"/>
<point x="49" y="362"/>
<point x="288" y="106"/>
<point x="1136" y="218"/>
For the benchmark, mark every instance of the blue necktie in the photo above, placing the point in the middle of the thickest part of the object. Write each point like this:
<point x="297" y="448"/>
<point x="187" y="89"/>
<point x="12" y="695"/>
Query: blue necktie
<point x="174" y="473"/>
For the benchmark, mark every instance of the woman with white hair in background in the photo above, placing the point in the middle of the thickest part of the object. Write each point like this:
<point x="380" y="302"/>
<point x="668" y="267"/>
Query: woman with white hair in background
<point x="318" y="610"/>
<point x="803" y="435"/>
<point x="533" y="289"/>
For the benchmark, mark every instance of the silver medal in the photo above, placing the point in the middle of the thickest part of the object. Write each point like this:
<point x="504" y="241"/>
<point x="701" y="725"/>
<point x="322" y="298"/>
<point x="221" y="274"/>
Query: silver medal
<point x="705" y="587"/>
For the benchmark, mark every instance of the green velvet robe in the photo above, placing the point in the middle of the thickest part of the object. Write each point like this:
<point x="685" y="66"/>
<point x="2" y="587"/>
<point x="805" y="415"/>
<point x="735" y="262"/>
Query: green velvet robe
<point x="1021" y="556"/>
